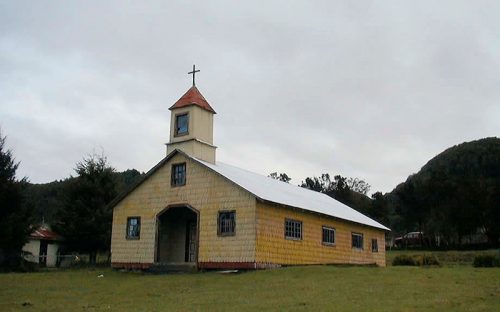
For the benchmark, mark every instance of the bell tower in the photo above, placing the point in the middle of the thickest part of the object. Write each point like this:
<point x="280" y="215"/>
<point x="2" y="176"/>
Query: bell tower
<point x="191" y="125"/>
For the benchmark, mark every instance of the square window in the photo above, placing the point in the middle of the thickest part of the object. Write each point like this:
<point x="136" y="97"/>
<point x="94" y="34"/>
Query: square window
<point x="181" y="124"/>
<point x="357" y="240"/>
<point x="328" y="235"/>
<point x="178" y="174"/>
<point x="226" y="223"/>
<point x="293" y="229"/>
<point x="374" y="245"/>
<point x="133" y="227"/>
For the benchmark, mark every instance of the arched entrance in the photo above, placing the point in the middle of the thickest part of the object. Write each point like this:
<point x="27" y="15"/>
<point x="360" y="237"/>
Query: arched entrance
<point x="177" y="235"/>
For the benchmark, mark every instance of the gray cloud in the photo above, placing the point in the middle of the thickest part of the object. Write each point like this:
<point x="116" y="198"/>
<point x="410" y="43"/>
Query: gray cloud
<point x="371" y="90"/>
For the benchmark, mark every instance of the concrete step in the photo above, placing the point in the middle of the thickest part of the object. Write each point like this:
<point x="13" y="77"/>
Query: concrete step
<point x="177" y="267"/>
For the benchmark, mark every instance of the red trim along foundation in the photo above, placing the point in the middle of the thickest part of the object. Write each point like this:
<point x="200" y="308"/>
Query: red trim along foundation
<point x="227" y="265"/>
<point x="237" y="265"/>
<point x="201" y="265"/>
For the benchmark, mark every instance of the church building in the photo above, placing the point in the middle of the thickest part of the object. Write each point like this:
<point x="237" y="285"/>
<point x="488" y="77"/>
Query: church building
<point x="191" y="209"/>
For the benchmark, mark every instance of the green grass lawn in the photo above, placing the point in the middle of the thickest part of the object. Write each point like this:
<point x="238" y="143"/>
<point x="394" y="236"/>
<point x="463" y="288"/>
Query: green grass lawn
<point x="317" y="288"/>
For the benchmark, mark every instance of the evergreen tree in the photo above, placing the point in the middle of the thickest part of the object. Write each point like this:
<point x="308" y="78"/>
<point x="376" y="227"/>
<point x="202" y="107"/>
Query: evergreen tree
<point x="379" y="209"/>
<point x="85" y="219"/>
<point x="15" y="218"/>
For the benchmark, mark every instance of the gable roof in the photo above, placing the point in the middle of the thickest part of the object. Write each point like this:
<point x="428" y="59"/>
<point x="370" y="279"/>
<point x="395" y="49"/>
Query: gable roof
<point x="279" y="192"/>
<point x="45" y="233"/>
<point x="273" y="191"/>
<point x="193" y="97"/>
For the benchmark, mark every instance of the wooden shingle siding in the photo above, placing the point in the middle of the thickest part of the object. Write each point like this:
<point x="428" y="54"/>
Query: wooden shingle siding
<point x="259" y="239"/>
<point x="205" y="191"/>
<point x="272" y="248"/>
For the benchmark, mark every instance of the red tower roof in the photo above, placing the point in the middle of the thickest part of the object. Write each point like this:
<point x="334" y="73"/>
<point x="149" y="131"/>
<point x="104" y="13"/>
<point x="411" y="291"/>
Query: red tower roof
<point x="193" y="97"/>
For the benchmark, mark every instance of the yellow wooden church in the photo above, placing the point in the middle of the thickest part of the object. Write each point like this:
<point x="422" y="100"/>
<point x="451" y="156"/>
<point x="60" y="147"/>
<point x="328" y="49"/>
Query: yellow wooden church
<point x="191" y="209"/>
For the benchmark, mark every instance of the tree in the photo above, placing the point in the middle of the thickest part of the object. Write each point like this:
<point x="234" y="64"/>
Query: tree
<point x="15" y="217"/>
<point x="379" y="209"/>
<point x="45" y="199"/>
<point x="126" y="179"/>
<point x="48" y="198"/>
<point x="85" y="220"/>
<point x="282" y="177"/>
<point x="321" y="184"/>
<point x="358" y="185"/>
<point x="339" y="188"/>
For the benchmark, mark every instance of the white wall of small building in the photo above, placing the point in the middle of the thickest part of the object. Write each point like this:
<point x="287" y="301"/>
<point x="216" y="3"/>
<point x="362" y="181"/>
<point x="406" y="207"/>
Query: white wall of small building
<point x="52" y="254"/>
<point x="33" y="246"/>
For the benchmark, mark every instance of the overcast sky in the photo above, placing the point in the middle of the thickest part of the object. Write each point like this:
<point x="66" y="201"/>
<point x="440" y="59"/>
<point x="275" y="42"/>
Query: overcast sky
<point x="367" y="89"/>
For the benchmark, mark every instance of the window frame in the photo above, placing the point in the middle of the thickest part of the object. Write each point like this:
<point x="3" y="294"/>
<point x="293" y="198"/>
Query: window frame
<point x="138" y="228"/>
<point x="219" y="225"/>
<point x="293" y="222"/>
<point x="374" y="246"/>
<point x="173" y="180"/>
<point x="352" y="240"/>
<point x="328" y="228"/>
<point x="176" y="123"/>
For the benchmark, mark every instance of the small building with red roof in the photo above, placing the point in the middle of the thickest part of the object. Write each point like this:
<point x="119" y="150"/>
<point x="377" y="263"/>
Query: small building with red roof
<point x="42" y="246"/>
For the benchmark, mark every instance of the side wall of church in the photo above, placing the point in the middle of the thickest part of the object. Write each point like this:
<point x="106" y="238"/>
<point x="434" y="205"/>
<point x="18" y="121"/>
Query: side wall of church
<point x="205" y="191"/>
<point x="272" y="248"/>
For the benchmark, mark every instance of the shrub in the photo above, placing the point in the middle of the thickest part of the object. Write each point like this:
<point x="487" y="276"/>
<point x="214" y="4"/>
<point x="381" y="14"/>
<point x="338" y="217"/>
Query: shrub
<point x="27" y="266"/>
<point x="486" y="261"/>
<point x="428" y="260"/>
<point x="403" y="260"/>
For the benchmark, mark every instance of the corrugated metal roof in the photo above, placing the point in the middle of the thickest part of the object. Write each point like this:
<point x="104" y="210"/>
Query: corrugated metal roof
<point x="279" y="192"/>
<point x="271" y="190"/>
<point x="43" y="233"/>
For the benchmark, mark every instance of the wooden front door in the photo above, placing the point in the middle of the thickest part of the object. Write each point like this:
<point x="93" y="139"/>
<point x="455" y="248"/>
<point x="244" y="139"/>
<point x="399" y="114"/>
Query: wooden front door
<point x="191" y="242"/>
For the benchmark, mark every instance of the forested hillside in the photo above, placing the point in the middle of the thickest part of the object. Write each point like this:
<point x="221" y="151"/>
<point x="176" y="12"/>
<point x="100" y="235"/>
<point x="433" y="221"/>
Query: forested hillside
<point x="47" y="198"/>
<point x="456" y="195"/>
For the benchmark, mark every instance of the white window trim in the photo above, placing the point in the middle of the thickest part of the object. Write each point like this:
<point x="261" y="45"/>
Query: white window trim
<point x="362" y="240"/>
<point x="324" y="227"/>
<point x="301" y="230"/>
<point x="220" y="226"/>
<point x="138" y="228"/>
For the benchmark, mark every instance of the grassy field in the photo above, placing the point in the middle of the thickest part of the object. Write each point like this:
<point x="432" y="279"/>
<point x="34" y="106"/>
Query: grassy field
<point x="317" y="288"/>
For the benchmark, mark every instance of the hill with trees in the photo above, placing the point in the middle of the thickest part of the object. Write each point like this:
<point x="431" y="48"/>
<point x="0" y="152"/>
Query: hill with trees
<point x="455" y="196"/>
<point x="45" y="199"/>
<point x="78" y="207"/>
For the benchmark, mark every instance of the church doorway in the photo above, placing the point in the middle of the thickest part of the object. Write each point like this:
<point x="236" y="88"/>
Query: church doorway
<point x="177" y="235"/>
